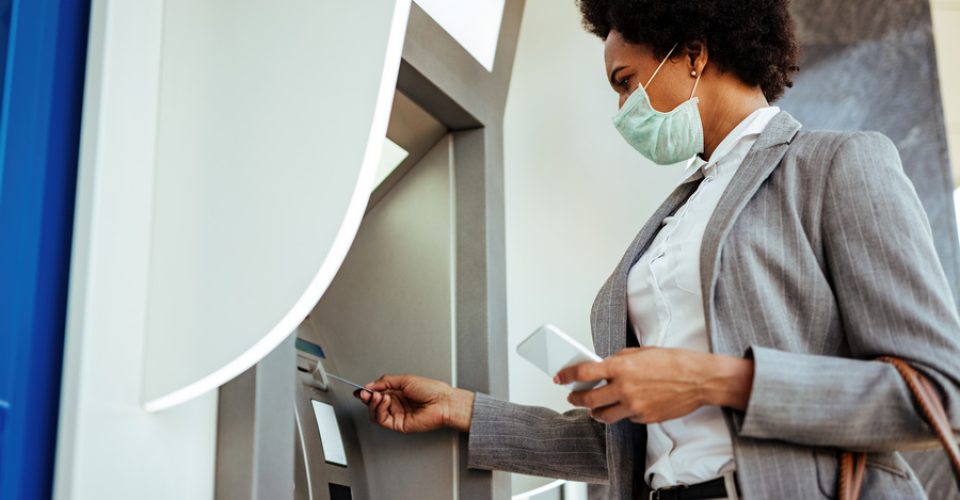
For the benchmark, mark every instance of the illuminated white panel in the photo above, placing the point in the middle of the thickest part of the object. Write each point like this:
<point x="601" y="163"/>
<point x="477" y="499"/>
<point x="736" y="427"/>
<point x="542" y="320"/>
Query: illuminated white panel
<point x="269" y="134"/>
<point x="330" y="439"/>
<point x="474" y="24"/>
<point x="391" y="158"/>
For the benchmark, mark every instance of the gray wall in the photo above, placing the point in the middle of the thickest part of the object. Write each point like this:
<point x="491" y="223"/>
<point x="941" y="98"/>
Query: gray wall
<point x="871" y="65"/>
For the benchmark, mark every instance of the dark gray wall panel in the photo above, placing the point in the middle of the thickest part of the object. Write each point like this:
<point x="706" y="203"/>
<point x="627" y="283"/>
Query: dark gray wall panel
<point x="870" y="65"/>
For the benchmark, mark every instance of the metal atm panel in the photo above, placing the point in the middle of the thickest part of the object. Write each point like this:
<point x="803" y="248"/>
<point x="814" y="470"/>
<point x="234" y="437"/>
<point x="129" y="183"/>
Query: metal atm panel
<point x="328" y="464"/>
<point x="390" y="309"/>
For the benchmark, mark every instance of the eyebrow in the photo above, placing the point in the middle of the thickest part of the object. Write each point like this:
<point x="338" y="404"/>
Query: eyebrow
<point x="613" y="76"/>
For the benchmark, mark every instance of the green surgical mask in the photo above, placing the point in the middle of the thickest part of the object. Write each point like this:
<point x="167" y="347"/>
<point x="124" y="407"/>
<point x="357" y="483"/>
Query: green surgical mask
<point x="664" y="138"/>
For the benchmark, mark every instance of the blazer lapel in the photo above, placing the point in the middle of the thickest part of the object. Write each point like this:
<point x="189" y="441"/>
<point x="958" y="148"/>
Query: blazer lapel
<point x="609" y="321"/>
<point x="763" y="158"/>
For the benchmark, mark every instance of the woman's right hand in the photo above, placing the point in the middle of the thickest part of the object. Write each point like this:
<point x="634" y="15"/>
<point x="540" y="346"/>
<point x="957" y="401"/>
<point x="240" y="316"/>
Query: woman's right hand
<point x="408" y="403"/>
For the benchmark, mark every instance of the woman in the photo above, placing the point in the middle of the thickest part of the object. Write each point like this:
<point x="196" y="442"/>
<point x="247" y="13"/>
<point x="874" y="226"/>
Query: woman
<point x="760" y="291"/>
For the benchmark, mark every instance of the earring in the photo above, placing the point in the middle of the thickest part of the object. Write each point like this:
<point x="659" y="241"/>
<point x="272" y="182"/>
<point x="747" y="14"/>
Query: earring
<point x="693" y="72"/>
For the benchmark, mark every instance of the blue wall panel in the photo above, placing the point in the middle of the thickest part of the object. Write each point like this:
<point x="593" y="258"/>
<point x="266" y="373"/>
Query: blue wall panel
<point x="44" y="48"/>
<point x="5" y="6"/>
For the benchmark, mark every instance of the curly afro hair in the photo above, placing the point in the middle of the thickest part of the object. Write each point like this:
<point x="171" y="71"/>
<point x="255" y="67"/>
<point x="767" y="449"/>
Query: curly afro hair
<point x="752" y="38"/>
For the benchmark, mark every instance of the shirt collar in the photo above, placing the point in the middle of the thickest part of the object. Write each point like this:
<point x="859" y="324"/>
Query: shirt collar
<point x="751" y="126"/>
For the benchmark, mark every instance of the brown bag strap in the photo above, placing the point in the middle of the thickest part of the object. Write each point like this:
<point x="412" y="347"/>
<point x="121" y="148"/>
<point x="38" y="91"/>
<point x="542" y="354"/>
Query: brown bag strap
<point x="851" y="475"/>
<point x="852" y="464"/>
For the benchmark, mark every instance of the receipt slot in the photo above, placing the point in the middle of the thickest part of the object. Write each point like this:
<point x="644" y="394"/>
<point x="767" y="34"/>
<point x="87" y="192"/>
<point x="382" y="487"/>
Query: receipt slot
<point x="328" y="463"/>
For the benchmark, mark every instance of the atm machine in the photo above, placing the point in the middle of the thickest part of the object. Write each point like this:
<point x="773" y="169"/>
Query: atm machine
<point x="328" y="464"/>
<point x="421" y="290"/>
<point x="391" y="308"/>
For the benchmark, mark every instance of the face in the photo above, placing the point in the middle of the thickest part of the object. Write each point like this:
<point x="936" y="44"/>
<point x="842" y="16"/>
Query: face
<point x="629" y="65"/>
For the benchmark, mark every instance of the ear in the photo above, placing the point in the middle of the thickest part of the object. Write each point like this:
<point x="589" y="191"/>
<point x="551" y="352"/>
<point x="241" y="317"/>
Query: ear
<point x="697" y="55"/>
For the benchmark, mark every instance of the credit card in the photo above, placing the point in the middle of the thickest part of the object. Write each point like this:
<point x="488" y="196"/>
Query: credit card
<point x="345" y="381"/>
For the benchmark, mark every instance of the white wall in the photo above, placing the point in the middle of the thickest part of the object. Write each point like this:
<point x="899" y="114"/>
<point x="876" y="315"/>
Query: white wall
<point x="107" y="446"/>
<point x="576" y="193"/>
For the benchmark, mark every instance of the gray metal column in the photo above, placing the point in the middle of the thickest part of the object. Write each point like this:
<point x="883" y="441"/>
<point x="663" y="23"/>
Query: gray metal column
<point x="255" y="436"/>
<point x="442" y="78"/>
<point x="480" y="289"/>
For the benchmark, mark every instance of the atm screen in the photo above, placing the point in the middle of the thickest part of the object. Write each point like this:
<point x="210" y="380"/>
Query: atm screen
<point x="340" y="492"/>
<point x="333" y="450"/>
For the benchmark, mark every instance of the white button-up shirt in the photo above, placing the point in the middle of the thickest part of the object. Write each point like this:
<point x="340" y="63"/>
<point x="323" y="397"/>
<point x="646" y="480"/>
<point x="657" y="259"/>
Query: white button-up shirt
<point x="665" y="305"/>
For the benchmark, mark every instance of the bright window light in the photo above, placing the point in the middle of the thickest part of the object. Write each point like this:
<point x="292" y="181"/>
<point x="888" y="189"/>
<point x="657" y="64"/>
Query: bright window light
<point x="538" y="491"/>
<point x="391" y="158"/>
<point x="956" y="206"/>
<point x="474" y="24"/>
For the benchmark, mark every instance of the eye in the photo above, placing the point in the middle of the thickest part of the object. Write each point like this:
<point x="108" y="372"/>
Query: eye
<point x="624" y="83"/>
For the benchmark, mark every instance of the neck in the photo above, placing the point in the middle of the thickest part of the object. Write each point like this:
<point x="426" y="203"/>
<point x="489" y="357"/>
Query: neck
<point x="727" y="112"/>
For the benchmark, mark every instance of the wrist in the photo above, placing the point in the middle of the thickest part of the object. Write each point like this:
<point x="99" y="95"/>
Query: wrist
<point x="459" y="412"/>
<point x="728" y="382"/>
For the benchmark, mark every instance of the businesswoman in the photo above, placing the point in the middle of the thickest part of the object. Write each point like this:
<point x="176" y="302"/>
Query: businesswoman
<point x="740" y="329"/>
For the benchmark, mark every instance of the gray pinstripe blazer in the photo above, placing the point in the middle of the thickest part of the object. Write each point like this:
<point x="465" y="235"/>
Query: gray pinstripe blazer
<point x="817" y="259"/>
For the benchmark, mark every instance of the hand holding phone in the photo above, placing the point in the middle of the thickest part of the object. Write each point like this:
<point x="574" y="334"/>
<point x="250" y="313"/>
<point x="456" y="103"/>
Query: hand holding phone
<point x="551" y="350"/>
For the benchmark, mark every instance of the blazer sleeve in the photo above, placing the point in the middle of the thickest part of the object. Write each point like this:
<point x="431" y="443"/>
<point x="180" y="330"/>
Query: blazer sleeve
<point x="538" y="441"/>
<point x="893" y="298"/>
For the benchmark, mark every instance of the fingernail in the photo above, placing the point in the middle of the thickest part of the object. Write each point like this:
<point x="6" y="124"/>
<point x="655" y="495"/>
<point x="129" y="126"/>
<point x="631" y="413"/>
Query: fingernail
<point x="556" y="379"/>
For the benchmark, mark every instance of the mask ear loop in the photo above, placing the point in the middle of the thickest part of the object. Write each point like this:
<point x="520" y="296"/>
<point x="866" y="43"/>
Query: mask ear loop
<point x="660" y="66"/>
<point x="695" y="83"/>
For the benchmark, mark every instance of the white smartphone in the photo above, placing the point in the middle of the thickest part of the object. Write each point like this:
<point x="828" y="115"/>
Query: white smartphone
<point x="551" y="350"/>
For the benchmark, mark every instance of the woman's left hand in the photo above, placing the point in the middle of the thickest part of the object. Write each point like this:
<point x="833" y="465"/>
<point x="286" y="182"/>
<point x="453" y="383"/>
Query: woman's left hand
<point x="653" y="384"/>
